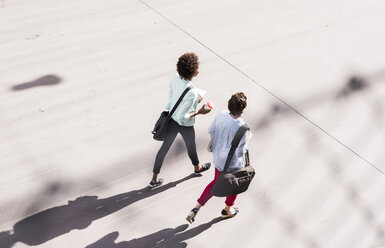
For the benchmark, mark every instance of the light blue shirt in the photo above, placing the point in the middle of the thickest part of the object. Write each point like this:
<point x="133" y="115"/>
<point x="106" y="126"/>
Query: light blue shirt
<point x="224" y="127"/>
<point x="187" y="105"/>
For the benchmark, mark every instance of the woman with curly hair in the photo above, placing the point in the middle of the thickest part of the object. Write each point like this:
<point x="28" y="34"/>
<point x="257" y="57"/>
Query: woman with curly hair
<point x="183" y="119"/>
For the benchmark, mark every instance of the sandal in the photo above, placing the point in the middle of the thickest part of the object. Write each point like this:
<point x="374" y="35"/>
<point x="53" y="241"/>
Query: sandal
<point x="191" y="217"/>
<point x="205" y="167"/>
<point x="156" y="184"/>
<point x="229" y="214"/>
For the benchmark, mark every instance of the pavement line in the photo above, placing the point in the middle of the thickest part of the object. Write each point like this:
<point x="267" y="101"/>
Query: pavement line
<point x="263" y="87"/>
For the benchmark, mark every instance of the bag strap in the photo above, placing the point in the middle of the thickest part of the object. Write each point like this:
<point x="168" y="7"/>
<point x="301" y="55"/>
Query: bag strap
<point x="234" y="144"/>
<point x="178" y="102"/>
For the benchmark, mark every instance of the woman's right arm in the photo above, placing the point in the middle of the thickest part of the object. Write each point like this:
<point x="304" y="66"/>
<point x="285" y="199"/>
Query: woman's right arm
<point x="242" y="147"/>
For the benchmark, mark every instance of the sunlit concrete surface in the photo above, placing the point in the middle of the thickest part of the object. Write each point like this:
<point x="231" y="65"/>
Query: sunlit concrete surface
<point x="83" y="82"/>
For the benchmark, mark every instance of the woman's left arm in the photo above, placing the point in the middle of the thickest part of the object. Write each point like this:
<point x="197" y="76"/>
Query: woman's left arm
<point x="211" y="143"/>
<point x="168" y="106"/>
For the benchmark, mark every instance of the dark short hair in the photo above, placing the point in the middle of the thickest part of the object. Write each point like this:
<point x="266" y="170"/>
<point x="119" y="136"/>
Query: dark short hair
<point x="187" y="65"/>
<point x="237" y="103"/>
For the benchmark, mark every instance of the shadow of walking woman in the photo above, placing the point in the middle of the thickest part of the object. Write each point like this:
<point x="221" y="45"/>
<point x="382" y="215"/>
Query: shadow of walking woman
<point x="168" y="237"/>
<point x="78" y="214"/>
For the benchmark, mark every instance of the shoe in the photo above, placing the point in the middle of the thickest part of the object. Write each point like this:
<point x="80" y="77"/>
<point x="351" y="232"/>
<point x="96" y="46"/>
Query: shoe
<point x="231" y="213"/>
<point x="205" y="167"/>
<point x="156" y="184"/>
<point x="191" y="217"/>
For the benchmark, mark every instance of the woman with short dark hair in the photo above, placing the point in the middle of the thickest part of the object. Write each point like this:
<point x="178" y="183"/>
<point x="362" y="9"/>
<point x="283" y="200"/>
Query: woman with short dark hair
<point x="222" y="131"/>
<point x="183" y="119"/>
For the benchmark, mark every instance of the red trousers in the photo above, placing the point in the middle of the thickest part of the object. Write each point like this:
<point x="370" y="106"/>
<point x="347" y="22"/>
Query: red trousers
<point x="206" y="195"/>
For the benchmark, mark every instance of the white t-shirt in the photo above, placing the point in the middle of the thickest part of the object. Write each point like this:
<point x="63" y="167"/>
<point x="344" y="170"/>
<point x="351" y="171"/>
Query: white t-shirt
<point x="224" y="127"/>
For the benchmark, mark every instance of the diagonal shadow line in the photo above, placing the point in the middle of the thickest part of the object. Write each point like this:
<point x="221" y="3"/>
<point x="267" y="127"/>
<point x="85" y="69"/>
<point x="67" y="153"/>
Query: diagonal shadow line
<point x="168" y="237"/>
<point x="78" y="214"/>
<point x="264" y="88"/>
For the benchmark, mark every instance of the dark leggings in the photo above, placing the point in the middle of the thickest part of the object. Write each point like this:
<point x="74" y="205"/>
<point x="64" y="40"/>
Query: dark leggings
<point x="188" y="135"/>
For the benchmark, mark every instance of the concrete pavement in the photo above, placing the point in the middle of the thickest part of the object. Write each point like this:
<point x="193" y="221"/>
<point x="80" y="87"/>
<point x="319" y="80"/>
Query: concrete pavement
<point x="82" y="83"/>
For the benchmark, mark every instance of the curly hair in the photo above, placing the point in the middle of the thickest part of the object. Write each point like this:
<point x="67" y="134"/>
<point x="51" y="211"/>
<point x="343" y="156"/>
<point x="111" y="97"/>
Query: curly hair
<point x="187" y="65"/>
<point x="237" y="103"/>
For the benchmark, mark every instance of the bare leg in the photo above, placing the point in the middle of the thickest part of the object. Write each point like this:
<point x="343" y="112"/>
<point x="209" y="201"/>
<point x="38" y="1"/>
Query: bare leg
<point x="191" y="217"/>
<point x="154" y="178"/>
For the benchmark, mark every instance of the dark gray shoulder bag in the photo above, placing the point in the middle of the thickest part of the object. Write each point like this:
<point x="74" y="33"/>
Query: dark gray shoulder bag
<point x="238" y="181"/>
<point x="160" y="128"/>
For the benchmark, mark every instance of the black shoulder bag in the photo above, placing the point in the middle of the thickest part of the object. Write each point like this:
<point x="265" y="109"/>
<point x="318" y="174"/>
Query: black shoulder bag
<point x="238" y="181"/>
<point x="160" y="128"/>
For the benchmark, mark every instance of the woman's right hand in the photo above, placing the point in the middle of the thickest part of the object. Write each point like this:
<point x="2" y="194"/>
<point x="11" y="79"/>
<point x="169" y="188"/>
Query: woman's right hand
<point x="203" y="110"/>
